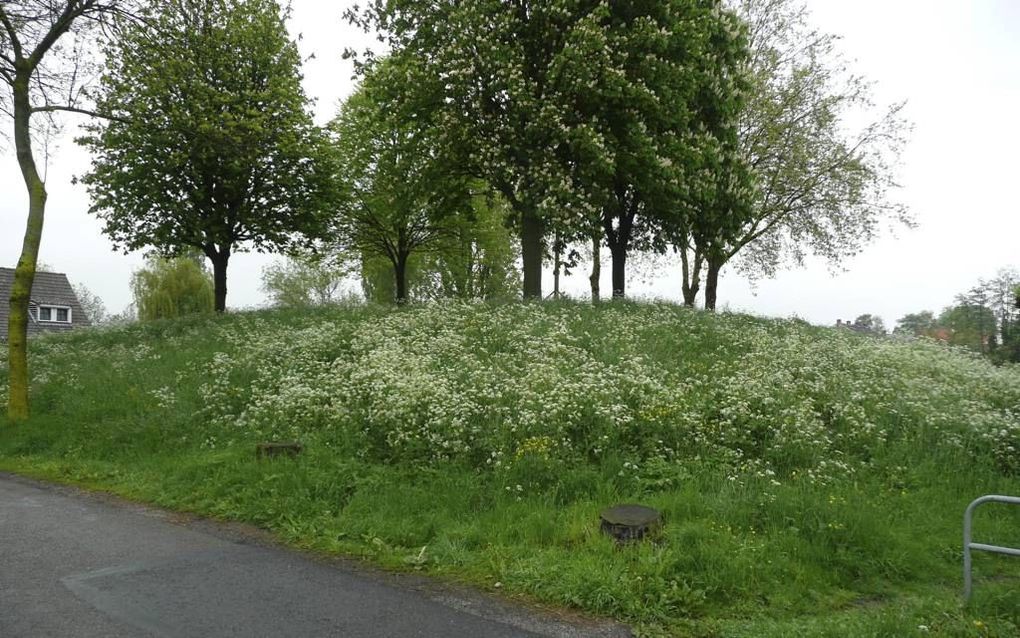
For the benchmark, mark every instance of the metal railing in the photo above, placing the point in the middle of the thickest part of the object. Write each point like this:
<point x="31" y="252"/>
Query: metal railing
<point x="969" y="544"/>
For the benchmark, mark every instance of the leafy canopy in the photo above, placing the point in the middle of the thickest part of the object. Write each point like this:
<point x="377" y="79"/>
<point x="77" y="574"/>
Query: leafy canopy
<point x="825" y="181"/>
<point x="399" y="190"/>
<point x="553" y="102"/>
<point x="214" y="146"/>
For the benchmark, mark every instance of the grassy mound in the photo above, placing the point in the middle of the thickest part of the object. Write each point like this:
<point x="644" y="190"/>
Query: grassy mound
<point x="812" y="480"/>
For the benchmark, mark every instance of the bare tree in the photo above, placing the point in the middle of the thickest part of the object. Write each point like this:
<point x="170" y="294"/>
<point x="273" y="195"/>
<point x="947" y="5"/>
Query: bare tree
<point x="44" y="65"/>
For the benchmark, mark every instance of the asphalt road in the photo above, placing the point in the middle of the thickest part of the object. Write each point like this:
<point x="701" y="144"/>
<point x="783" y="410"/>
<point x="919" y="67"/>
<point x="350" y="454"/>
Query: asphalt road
<point x="74" y="564"/>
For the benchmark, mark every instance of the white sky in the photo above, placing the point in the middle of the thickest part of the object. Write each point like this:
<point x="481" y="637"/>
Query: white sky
<point x="956" y="63"/>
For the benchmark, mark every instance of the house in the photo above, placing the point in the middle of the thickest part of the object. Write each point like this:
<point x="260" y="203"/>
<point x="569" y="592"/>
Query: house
<point x="855" y="327"/>
<point x="53" y="306"/>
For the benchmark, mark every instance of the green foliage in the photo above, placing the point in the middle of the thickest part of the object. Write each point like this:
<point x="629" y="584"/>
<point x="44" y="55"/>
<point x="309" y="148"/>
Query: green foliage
<point x="399" y="193"/>
<point x="377" y="280"/>
<point x="1000" y="294"/>
<point x="916" y="324"/>
<point x="306" y="280"/>
<point x="825" y="182"/>
<point x="986" y="319"/>
<point x="970" y="324"/>
<point x="870" y="323"/>
<point x="669" y="121"/>
<point x="477" y="260"/>
<point x="802" y="472"/>
<point x="171" y="288"/>
<point x="560" y="105"/>
<point x="211" y="144"/>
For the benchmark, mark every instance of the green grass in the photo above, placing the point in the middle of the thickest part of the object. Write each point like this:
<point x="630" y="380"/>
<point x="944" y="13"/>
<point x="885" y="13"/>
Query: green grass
<point x="812" y="481"/>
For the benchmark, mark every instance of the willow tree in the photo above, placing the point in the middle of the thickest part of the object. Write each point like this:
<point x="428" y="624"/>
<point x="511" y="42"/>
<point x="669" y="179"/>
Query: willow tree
<point x="172" y="288"/>
<point x="214" y="148"/>
<point x="43" y="52"/>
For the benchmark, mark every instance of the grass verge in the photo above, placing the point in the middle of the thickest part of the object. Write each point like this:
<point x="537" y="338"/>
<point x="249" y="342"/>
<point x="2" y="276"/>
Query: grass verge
<point x="812" y="481"/>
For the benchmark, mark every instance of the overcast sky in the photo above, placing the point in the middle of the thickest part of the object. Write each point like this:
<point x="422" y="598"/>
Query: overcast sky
<point x="956" y="63"/>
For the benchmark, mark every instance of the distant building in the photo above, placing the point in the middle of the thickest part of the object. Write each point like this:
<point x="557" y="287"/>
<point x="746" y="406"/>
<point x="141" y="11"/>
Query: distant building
<point x="53" y="306"/>
<point x="850" y="325"/>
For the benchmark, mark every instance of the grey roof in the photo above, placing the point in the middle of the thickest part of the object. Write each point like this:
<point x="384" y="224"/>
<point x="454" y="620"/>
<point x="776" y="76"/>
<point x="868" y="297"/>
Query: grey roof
<point x="49" y="288"/>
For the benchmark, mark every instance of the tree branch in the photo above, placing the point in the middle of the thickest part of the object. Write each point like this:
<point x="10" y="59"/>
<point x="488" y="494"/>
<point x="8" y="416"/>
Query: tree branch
<point x="73" y="109"/>
<point x="62" y="25"/>
<point x="11" y="33"/>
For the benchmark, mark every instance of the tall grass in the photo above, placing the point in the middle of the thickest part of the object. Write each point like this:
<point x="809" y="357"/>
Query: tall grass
<point x="812" y="480"/>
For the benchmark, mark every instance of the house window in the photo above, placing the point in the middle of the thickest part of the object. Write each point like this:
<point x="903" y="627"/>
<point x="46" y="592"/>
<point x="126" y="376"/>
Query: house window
<point x="54" y="314"/>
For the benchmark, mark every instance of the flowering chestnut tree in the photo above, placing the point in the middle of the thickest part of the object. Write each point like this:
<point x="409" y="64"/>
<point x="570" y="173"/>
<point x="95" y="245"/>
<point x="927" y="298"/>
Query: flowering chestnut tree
<point x="530" y="86"/>
<point x="664" y="115"/>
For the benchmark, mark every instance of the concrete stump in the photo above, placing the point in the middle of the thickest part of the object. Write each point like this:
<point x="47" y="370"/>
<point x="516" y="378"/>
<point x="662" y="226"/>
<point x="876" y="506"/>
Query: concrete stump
<point x="277" y="449"/>
<point x="628" y="522"/>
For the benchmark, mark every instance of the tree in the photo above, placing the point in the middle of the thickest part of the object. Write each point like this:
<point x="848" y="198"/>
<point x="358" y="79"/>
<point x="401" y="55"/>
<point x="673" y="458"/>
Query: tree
<point x="998" y="295"/>
<point x="214" y="147"/>
<point x="305" y="280"/>
<point x="95" y="309"/>
<point x="43" y="76"/>
<point x="1011" y="340"/>
<point x="400" y="193"/>
<point x="824" y="185"/>
<point x="916" y="324"/>
<point x="985" y="318"/>
<point x="171" y="288"/>
<point x="507" y="104"/>
<point x="595" y="277"/>
<point x="525" y="87"/>
<point x="870" y="323"/>
<point x="719" y="212"/>
<point x="971" y="324"/>
<point x="666" y="115"/>
<point x="478" y="258"/>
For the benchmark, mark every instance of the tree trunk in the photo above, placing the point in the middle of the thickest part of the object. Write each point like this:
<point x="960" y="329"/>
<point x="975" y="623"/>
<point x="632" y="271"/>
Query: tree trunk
<point x="400" y="278"/>
<point x="557" y="267"/>
<point x="712" y="284"/>
<point x="531" y="254"/>
<point x="24" y="274"/>
<point x="619" y="271"/>
<point x="618" y="237"/>
<point x="596" y="265"/>
<point x="691" y="277"/>
<point x="219" y="262"/>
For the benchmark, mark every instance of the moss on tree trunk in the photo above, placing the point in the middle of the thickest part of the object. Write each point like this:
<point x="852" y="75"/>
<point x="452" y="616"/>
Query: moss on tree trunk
<point x="24" y="274"/>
